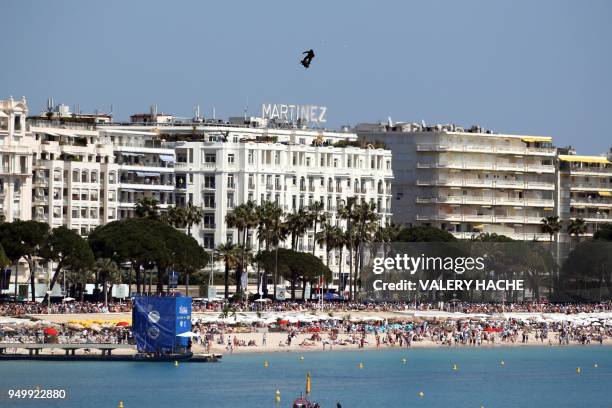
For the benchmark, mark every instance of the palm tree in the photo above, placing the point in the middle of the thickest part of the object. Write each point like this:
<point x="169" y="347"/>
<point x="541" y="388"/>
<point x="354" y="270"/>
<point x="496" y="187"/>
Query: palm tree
<point x="147" y="207"/>
<point x="551" y="225"/>
<point x="347" y="213"/>
<point x="228" y="252"/>
<point x="193" y="216"/>
<point x="244" y="218"/>
<point x="366" y="222"/>
<point x="107" y="270"/>
<point x="328" y="237"/>
<point x="175" y="216"/>
<point x="272" y="231"/>
<point x="297" y="224"/>
<point x="316" y="215"/>
<point x="577" y="227"/>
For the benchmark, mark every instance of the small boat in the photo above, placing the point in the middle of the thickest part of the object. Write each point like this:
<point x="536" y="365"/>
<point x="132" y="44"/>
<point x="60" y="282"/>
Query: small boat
<point x="304" y="403"/>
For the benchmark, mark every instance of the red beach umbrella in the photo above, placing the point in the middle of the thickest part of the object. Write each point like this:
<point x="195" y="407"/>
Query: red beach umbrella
<point x="50" y="331"/>
<point x="122" y="324"/>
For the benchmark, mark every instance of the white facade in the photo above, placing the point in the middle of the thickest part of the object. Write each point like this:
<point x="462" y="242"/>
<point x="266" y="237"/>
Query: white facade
<point x="231" y="165"/>
<point x="16" y="148"/>
<point x="469" y="182"/>
<point x="585" y="190"/>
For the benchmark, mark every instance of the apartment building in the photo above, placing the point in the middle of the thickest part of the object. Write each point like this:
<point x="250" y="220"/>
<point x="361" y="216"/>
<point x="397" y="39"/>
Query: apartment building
<point x="585" y="189"/>
<point x="469" y="181"/>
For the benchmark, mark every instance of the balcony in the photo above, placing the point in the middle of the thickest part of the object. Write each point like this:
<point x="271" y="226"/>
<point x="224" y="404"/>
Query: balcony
<point x="491" y="149"/>
<point x="518" y="236"/>
<point x="591" y="202"/>
<point x="504" y="219"/>
<point x="478" y="183"/>
<point x="496" y="166"/>
<point x="590" y="187"/>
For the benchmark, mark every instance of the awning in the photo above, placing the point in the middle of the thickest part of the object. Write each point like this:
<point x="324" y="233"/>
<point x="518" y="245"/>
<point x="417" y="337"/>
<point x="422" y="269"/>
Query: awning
<point x="536" y="139"/>
<point x="605" y="193"/>
<point x="478" y="226"/>
<point x="584" y="159"/>
<point x="146" y="174"/>
<point x="166" y="158"/>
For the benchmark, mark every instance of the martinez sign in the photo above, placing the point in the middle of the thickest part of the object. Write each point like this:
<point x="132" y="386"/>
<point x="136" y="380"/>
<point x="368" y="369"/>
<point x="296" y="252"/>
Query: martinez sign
<point x="293" y="113"/>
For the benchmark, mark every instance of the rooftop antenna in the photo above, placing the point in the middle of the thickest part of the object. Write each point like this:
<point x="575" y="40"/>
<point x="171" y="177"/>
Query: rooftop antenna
<point x="389" y="121"/>
<point x="111" y="109"/>
<point x="214" y="114"/>
<point x="246" y="108"/>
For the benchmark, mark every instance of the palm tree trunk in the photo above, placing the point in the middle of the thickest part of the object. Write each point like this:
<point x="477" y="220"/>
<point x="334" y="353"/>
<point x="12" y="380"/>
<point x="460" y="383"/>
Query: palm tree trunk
<point x="32" y="284"/>
<point x="104" y="288"/>
<point x="53" y="280"/>
<point x="226" y="277"/>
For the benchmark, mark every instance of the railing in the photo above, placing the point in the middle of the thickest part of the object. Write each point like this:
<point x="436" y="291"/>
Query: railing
<point x="481" y="218"/>
<point x="591" y="201"/>
<point x="535" y="151"/>
<point x="519" y="236"/>
<point x="537" y="185"/>
<point x="524" y="167"/>
<point x="590" y="186"/>
<point x="591" y="216"/>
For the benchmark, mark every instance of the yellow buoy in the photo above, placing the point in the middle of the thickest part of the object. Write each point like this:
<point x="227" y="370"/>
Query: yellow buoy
<point x="455" y="367"/>
<point x="404" y="360"/>
<point x="578" y="370"/>
<point x="421" y="394"/>
<point x="176" y="364"/>
<point x="308" y="382"/>
<point x="277" y="396"/>
<point x="266" y="365"/>
<point x="120" y="404"/>
<point x="360" y="365"/>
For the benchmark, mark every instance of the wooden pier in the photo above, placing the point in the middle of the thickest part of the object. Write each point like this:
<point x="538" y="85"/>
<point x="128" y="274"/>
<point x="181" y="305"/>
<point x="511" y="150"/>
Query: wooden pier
<point x="34" y="351"/>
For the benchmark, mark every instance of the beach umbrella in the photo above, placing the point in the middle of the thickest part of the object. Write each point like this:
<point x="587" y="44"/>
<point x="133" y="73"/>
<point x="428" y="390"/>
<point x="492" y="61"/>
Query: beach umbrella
<point x="68" y="299"/>
<point x="263" y="300"/>
<point x="50" y="331"/>
<point x="122" y="324"/>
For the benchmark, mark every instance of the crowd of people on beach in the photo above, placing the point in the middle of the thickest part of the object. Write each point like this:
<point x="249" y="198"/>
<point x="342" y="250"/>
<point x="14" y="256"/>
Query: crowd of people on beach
<point x="27" y="308"/>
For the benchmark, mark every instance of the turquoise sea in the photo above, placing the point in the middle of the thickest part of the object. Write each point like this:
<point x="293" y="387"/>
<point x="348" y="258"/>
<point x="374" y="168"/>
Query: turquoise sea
<point x="529" y="377"/>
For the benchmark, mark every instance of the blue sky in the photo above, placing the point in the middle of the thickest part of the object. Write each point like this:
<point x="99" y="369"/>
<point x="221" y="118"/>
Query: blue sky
<point x="534" y="67"/>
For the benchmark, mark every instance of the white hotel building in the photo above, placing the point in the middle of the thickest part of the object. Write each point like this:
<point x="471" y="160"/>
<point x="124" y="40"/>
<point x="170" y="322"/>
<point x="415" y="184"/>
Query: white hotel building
<point x="469" y="181"/>
<point x="83" y="175"/>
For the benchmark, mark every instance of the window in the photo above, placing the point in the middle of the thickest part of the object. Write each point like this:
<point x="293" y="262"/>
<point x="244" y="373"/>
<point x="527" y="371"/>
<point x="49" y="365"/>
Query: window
<point x="111" y="213"/>
<point x="230" y="158"/>
<point x="209" y="220"/>
<point x="250" y="156"/>
<point x="93" y="213"/>
<point x="111" y="178"/>
<point x="209" y="241"/>
<point x="75" y="195"/>
<point x="230" y="200"/>
<point x="94" y="177"/>
<point x="209" y="181"/>
<point x="209" y="200"/>
<point x="75" y="176"/>
<point x="210" y="158"/>
<point x="75" y="213"/>
<point x="112" y="195"/>
<point x="230" y="181"/>
<point x="83" y="212"/>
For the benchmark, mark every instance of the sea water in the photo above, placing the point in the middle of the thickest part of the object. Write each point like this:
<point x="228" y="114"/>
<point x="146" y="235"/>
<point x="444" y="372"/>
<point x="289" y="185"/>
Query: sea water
<point x="445" y="377"/>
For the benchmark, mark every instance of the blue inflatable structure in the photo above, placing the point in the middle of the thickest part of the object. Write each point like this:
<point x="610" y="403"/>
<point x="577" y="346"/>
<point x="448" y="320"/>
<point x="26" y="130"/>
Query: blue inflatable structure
<point x="157" y="321"/>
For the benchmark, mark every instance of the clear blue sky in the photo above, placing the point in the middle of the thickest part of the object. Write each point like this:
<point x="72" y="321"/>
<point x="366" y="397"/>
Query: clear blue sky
<point x="535" y="67"/>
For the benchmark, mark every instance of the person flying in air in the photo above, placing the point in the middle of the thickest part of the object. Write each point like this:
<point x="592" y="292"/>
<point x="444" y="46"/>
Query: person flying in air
<point x="308" y="58"/>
